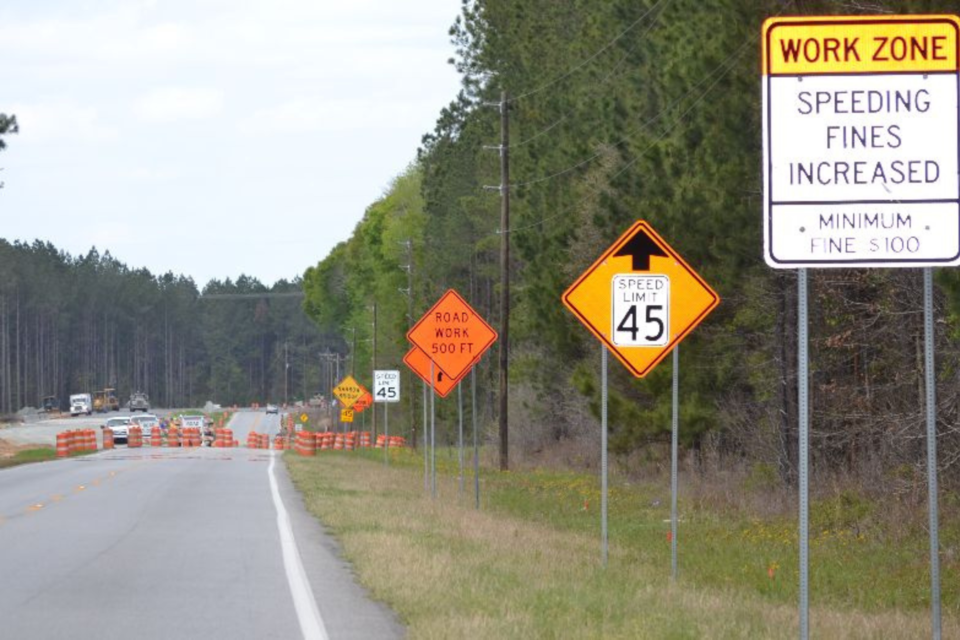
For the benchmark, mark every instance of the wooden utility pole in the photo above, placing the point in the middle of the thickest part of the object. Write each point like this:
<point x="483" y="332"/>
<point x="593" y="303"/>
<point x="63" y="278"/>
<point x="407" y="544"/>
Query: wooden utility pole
<point x="504" y="276"/>
<point x="373" y="405"/>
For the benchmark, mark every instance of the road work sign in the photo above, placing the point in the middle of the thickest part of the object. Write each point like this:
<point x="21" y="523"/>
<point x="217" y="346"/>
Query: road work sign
<point x="386" y="386"/>
<point x="419" y="363"/>
<point x="346" y="415"/>
<point x="640" y="298"/>
<point x="349" y="391"/>
<point x="452" y="334"/>
<point x="860" y="141"/>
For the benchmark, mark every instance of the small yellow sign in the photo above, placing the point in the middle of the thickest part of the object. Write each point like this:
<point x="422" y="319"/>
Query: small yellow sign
<point x="860" y="44"/>
<point x="346" y="415"/>
<point x="349" y="391"/>
<point x="304" y="418"/>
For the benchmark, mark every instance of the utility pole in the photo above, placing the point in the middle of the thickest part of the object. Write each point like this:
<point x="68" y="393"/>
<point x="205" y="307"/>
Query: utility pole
<point x="504" y="275"/>
<point x="413" y="403"/>
<point x="373" y="405"/>
<point x="286" y="370"/>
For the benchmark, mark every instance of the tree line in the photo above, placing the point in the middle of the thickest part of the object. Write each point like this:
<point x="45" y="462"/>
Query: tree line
<point x="75" y="324"/>
<point x="623" y="110"/>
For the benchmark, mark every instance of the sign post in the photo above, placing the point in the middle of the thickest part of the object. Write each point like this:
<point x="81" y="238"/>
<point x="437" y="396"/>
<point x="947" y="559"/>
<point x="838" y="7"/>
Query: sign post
<point x="640" y="299"/>
<point x="448" y="340"/>
<point x="851" y="179"/>
<point x="386" y="389"/>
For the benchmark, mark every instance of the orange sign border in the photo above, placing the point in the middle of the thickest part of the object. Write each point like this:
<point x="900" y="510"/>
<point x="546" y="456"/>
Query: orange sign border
<point x="483" y="349"/>
<point x="662" y="244"/>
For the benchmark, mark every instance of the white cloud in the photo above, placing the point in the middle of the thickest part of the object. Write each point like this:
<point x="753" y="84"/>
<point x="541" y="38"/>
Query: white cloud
<point x="170" y="104"/>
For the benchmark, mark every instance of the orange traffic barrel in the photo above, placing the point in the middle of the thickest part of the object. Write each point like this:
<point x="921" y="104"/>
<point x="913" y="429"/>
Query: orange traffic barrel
<point x="107" y="438"/>
<point x="365" y="439"/>
<point x="62" y="450"/>
<point x="155" y="435"/>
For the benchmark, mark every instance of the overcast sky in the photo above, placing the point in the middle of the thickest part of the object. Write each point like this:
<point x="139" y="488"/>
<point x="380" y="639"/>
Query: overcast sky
<point x="213" y="137"/>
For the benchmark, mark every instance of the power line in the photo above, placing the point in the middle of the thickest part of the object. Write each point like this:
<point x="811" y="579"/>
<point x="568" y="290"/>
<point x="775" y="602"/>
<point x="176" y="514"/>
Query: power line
<point x="593" y="57"/>
<point x="602" y="82"/>
<point x="627" y="138"/>
<point x="726" y="66"/>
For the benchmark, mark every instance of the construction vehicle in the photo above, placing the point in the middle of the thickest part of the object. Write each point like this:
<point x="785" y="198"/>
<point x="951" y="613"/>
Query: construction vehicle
<point x="80" y="403"/>
<point x="139" y="402"/>
<point x="113" y="402"/>
<point x="100" y="401"/>
<point x="50" y="404"/>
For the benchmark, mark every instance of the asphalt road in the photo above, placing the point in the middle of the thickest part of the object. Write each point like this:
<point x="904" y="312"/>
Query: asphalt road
<point x="172" y="543"/>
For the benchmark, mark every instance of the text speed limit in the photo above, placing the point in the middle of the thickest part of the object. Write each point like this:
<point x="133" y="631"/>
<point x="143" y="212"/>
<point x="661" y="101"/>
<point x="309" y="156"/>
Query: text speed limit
<point x="641" y="310"/>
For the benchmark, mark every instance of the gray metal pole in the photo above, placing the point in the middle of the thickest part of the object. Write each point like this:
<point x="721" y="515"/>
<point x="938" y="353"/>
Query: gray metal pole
<point x="603" y="454"/>
<point x="804" y="451"/>
<point x="674" y="446"/>
<point x="476" y="449"/>
<point x="426" y="464"/>
<point x="386" y="434"/>
<point x="433" y="432"/>
<point x="460" y="415"/>
<point x="931" y="393"/>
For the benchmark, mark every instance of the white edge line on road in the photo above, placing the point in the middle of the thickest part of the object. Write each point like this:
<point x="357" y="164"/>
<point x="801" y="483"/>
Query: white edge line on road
<point x="311" y="624"/>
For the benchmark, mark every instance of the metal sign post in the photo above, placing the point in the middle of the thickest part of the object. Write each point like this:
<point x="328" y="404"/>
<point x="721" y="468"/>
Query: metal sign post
<point x="476" y="450"/>
<point x="804" y="450"/>
<point x="433" y="436"/>
<point x="386" y="435"/>
<point x="603" y="454"/>
<point x="931" y="393"/>
<point x="460" y="447"/>
<point x="426" y="447"/>
<point x="674" y="446"/>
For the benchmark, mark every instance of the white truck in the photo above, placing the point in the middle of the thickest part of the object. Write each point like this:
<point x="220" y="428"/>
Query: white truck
<point x="81" y="403"/>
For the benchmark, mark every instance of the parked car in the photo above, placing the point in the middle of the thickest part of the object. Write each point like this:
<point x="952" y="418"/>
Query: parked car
<point x="120" y="427"/>
<point x="146" y="422"/>
<point x="272" y="408"/>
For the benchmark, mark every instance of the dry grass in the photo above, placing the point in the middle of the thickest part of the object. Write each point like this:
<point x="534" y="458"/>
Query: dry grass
<point x="450" y="571"/>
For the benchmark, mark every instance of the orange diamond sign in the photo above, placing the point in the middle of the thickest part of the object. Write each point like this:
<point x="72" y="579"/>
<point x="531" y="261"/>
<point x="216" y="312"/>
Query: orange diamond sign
<point x="419" y="363"/>
<point x="453" y="334"/>
<point x="640" y="298"/>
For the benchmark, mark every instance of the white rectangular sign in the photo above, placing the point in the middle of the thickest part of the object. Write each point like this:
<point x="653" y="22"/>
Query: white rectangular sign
<point x="386" y="386"/>
<point x="860" y="144"/>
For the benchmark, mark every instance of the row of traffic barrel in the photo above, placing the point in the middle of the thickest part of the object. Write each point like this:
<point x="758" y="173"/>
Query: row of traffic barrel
<point x="76" y="441"/>
<point x="309" y="442"/>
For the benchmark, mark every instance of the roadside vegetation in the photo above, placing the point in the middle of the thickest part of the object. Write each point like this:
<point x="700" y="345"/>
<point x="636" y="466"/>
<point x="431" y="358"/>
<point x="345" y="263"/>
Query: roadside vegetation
<point x="34" y="454"/>
<point x="528" y="564"/>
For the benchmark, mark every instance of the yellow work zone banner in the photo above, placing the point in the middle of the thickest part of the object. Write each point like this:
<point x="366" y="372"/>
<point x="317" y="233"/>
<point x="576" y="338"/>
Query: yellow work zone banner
<point x="860" y="44"/>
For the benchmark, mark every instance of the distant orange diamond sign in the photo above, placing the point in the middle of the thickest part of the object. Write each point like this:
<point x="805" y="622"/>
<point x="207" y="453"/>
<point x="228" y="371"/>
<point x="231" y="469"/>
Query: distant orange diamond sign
<point x="640" y="298"/>
<point x="452" y="334"/>
<point x="363" y="402"/>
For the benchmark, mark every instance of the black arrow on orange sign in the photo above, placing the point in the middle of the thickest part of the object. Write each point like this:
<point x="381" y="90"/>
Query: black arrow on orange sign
<point x="640" y="247"/>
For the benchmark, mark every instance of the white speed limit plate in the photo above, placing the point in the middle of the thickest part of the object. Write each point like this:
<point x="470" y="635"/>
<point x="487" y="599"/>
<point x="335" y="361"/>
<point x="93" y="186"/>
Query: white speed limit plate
<point x="641" y="310"/>
<point x="386" y="386"/>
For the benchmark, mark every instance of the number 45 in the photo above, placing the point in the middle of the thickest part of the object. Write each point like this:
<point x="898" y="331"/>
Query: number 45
<point x="654" y="316"/>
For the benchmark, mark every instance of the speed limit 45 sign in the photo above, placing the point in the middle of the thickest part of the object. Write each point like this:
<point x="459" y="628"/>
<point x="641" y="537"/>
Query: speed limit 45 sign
<point x="386" y="386"/>
<point x="640" y="298"/>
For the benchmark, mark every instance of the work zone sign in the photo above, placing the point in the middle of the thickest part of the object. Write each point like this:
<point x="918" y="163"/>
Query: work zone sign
<point x="860" y="141"/>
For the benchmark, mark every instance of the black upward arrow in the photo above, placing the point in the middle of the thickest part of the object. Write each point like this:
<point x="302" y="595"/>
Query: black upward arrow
<point x="640" y="247"/>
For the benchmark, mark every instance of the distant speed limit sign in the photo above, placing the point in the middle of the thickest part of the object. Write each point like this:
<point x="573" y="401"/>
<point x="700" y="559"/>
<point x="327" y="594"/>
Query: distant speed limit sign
<point x="386" y="386"/>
